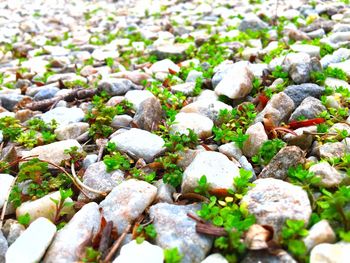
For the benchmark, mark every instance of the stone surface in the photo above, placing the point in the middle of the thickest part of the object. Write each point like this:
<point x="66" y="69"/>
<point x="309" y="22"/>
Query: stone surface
<point x="300" y="92"/>
<point x="5" y="185"/>
<point x="218" y="169"/>
<point x="263" y="256"/>
<point x="273" y="201"/>
<point x="71" y="131"/>
<point x="63" y="116"/>
<point x="332" y="150"/>
<point x="329" y="176"/>
<point x="31" y="245"/>
<point x="319" y="233"/>
<point x="252" y="22"/>
<point x="215" y="258"/>
<point x="97" y="177"/>
<point x="257" y="136"/>
<point x="43" y="207"/>
<point x="127" y="201"/>
<point x="144" y="252"/>
<point x="287" y="157"/>
<point x="309" y="108"/>
<point x="53" y="152"/>
<point x="139" y="143"/>
<point x="114" y="87"/>
<point x="171" y="222"/>
<point x="149" y="114"/>
<point x="68" y="240"/>
<point x="137" y="97"/>
<point x="3" y="248"/>
<point x="330" y="253"/>
<point x="12" y="230"/>
<point x="201" y="125"/>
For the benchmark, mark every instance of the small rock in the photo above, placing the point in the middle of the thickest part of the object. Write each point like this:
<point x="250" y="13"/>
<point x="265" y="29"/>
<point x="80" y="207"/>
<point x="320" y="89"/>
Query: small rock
<point x="273" y="201"/>
<point x="339" y="55"/>
<point x="193" y="75"/>
<point x="43" y="207"/>
<point x="46" y="93"/>
<point x="164" y="192"/>
<point x="139" y="143"/>
<point x="144" y="252"/>
<point x="300" y="72"/>
<point x="171" y="222"/>
<point x="31" y="245"/>
<point x="309" y="108"/>
<point x="174" y="50"/>
<point x="97" y="177"/>
<point x="114" y="87"/>
<point x="71" y="131"/>
<point x="137" y="97"/>
<point x="68" y="240"/>
<point x="302" y="140"/>
<point x="330" y="253"/>
<point x="186" y="88"/>
<point x="164" y="66"/>
<point x="330" y="177"/>
<point x="287" y="157"/>
<point x="5" y="185"/>
<point x="149" y="114"/>
<point x="313" y="51"/>
<point x="252" y="22"/>
<point x="201" y="125"/>
<point x="63" y="116"/>
<point x="332" y="150"/>
<point x="218" y="169"/>
<point x="279" y="108"/>
<point x="127" y="201"/>
<point x="215" y="258"/>
<point x="299" y="92"/>
<point x="319" y="233"/>
<point x="264" y="256"/>
<point x="12" y="230"/>
<point x="3" y="248"/>
<point x="121" y="121"/>
<point x="236" y="83"/>
<point x="53" y="152"/>
<point x="231" y="150"/>
<point x="9" y="101"/>
<point x="257" y="136"/>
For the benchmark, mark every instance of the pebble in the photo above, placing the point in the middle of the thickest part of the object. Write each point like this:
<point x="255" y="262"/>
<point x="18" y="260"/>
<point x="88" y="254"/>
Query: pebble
<point x="332" y="150"/>
<point x="272" y="201"/>
<point x="68" y="240"/>
<point x="139" y="143"/>
<point x="3" y="248"/>
<point x="218" y="169"/>
<point x="12" y="230"/>
<point x="137" y="97"/>
<point x="71" y="131"/>
<point x="97" y="177"/>
<point x="199" y="124"/>
<point x="63" y="116"/>
<point x="330" y="253"/>
<point x="300" y="92"/>
<point x="43" y="207"/>
<point x="127" y="201"/>
<point x="144" y="252"/>
<point x="31" y="245"/>
<point x="116" y="87"/>
<point x="330" y="177"/>
<point x="5" y="185"/>
<point x="164" y="66"/>
<point x="149" y="114"/>
<point x="171" y="222"/>
<point x="257" y="136"/>
<point x="319" y="233"/>
<point x="309" y="108"/>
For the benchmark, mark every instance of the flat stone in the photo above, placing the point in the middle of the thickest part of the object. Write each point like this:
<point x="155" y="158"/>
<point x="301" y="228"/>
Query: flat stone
<point x="97" y="177"/>
<point x="114" y="87"/>
<point x="201" y="125"/>
<point x="139" y="143"/>
<point x="9" y="101"/>
<point x="144" y="252"/>
<point x="257" y="136"/>
<point x="309" y="108"/>
<point x="165" y="51"/>
<point x="68" y="240"/>
<point x="175" y="229"/>
<point x="319" y="233"/>
<point x="231" y="149"/>
<point x="71" y="131"/>
<point x="330" y="177"/>
<point x="31" y="245"/>
<point x="63" y="116"/>
<point x="301" y="139"/>
<point x="330" y="253"/>
<point x="5" y="185"/>
<point x="43" y="207"/>
<point x="164" y="66"/>
<point x="300" y="92"/>
<point x="46" y="93"/>
<point x="53" y="152"/>
<point x="121" y="121"/>
<point x="127" y="201"/>
<point x="287" y="157"/>
<point x="273" y="201"/>
<point x="218" y="169"/>
<point x="345" y="66"/>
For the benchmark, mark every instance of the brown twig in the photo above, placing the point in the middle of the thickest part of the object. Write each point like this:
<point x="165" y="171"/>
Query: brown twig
<point x="117" y="244"/>
<point x="207" y="228"/>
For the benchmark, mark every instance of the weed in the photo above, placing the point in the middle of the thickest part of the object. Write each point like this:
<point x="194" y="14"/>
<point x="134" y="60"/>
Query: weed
<point x="267" y="151"/>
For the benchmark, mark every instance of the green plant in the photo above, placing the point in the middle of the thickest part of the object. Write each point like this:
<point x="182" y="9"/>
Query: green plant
<point x="145" y="232"/>
<point x="91" y="255"/>
<point x="172" y="255"/>
<point x="242" y="182"/>
<point x="60" y="205"/>
<point x="267" y="151"/>
<point x="278" y="72"/>
<point x="292" y="232"/>
<point x="24" y="219"/>
<point x="203" y="186"/>
<point x="115" y="160"/>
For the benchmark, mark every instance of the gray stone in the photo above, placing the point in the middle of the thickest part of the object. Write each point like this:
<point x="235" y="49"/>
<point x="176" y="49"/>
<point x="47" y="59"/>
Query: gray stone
<point x="300" y="92"/>
<point x="89" y="160"/>
<point x="127" y="201"/>
<point x="137" y="97"/>
<point x="330" y="177"/>
<point x="46" y="93"/>
<point x="257" y="136"/>
<point x="287" y="157"/>
<point x="3" y="248"/>
<point x="231" y="150"/>
<point x="300" y="72"/>
<point x="193" y="75"/>
<point x="164" y="192"/>
<point x="97" y="177"/>
<point x="319" y="233"/>
<point x="31" y="245"/>
<point x="63" y="116"/>
<point x="201" y="125"/>
<point x="71" y="131"/>
<point x="174" y="50"/>
<point x="115" y="87"/>
<point x="9" y="101"/>
<point x="273" y="201"/>
<point x="332" y="150"/>
<point x="330" y="253"/>
<point x="121" y="121"/>
<point x="12" y="230"/>
<point x="186" y="88"/>
<point x="302" y="139"/>
<point x="218" y="169"/>
<point x="264" y="256"/>
<point x="149" y="114"/>
<point x="139" y="144"/>
<point x="313" y="51"/>
<point x="337" y="56"/>
<point x="175" y="229"/>
<point x="69" y="239"/>
<point x="5" y="185"/>
<point x="252" y="22"/>
<point x="309" y="108"/>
